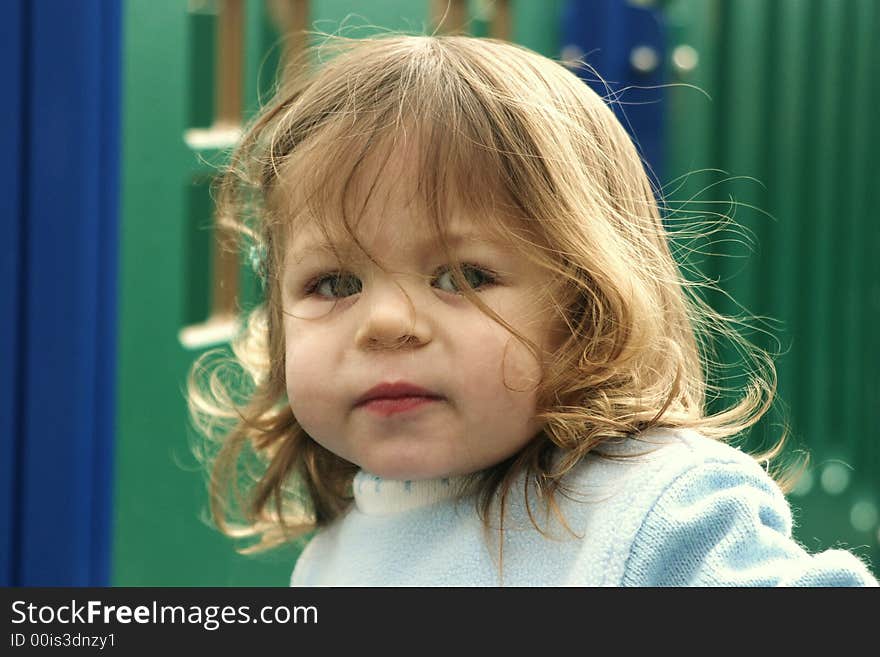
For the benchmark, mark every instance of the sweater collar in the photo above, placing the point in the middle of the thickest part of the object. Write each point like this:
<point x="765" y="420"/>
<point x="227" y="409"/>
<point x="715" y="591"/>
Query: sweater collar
<point x="374" y="495"/>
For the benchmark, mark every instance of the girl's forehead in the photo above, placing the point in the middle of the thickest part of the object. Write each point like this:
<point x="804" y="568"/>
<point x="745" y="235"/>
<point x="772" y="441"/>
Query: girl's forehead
<point x="389" y="190"/>
<point x="392" y="231"/>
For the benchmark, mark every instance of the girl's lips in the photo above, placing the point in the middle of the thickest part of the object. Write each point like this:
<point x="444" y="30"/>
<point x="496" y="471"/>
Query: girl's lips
<point x="394" y="390"/>
<point x="385" y="406"/>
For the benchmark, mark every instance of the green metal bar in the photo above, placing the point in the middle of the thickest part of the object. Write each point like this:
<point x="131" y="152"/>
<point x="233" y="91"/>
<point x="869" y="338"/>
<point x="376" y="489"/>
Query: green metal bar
<point x="870" y="379"/>
<point x="825" y="162"/>
<point x="786" y="150"/>
<point x="858" y="414"/>
<point x="688" y="131"/>
<point x="536" y="25"/>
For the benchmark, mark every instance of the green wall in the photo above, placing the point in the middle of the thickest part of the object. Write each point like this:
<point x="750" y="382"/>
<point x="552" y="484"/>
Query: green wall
<point x="161" y="533"/>
<point x="791" y="134"/>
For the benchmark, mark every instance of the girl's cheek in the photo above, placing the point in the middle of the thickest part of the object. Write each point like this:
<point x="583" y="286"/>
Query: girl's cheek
<point x="522" y="370"/>
<point x="302" y="351"/>
<point x="298" y="354"/>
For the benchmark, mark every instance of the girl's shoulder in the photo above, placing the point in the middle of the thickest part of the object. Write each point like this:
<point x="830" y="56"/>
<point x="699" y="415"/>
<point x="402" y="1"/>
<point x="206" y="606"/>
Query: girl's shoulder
<point x="649" y="462"/>
<point x="668" y="444"/>
<point x="619" y="486"/>
<point x="680" y="508"/>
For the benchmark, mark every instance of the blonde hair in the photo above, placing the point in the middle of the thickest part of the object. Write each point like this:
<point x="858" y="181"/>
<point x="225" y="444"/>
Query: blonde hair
<point x="519" y="141"/>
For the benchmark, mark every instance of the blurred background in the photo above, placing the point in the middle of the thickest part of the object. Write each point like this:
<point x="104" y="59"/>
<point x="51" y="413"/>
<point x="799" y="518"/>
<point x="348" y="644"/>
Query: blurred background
<point x="117" y="114"/>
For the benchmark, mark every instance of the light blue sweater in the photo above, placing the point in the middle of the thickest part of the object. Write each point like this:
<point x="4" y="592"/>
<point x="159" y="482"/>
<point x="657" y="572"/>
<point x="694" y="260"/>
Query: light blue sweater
<point x="694" y="511"/>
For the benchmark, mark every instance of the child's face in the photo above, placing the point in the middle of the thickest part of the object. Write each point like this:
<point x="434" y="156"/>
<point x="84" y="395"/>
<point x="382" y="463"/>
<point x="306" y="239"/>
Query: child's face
<point x="335" y="354"/>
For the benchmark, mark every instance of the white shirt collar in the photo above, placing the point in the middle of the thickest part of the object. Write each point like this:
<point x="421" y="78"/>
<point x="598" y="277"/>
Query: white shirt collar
<point x="374" y="495"/>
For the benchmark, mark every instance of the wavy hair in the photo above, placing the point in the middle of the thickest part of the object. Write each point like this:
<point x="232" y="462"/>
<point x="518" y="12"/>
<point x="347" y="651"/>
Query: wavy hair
<point x="527" y="147"/>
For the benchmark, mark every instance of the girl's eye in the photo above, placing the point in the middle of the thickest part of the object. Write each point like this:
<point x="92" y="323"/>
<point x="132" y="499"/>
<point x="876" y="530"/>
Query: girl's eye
<point x="334" y="285"/>
<point x="340" y="284"/>
<point x="475" y="277"/>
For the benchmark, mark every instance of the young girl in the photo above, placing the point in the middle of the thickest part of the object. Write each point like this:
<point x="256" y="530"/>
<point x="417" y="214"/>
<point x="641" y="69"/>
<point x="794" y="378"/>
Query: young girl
<point x="477" y="362"/>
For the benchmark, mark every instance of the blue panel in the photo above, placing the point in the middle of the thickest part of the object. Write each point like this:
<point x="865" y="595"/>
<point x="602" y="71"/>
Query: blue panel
<point x="107" y="285"/>
<point x="12" y="62"/>
<point x="607" y="32"/>
<point x="69" y="308"/>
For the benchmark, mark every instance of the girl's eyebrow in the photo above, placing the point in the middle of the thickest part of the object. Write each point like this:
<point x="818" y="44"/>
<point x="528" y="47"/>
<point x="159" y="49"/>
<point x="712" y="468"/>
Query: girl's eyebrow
<point x="313" y="248"/>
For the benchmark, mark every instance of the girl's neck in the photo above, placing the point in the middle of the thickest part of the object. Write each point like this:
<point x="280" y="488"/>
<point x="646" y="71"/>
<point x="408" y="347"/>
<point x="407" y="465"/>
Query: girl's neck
<point x="376" y="496"/>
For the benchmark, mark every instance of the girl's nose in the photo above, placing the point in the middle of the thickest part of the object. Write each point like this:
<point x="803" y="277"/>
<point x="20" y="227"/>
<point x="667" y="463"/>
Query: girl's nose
<point x="392" y="319"/>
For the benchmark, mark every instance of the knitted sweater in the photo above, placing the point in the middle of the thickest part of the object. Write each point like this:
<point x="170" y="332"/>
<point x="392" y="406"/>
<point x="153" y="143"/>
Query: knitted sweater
<point x="685" y="510"/>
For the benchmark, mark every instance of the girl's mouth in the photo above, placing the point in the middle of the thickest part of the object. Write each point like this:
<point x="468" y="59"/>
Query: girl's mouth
<point x="385" y="406"/>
